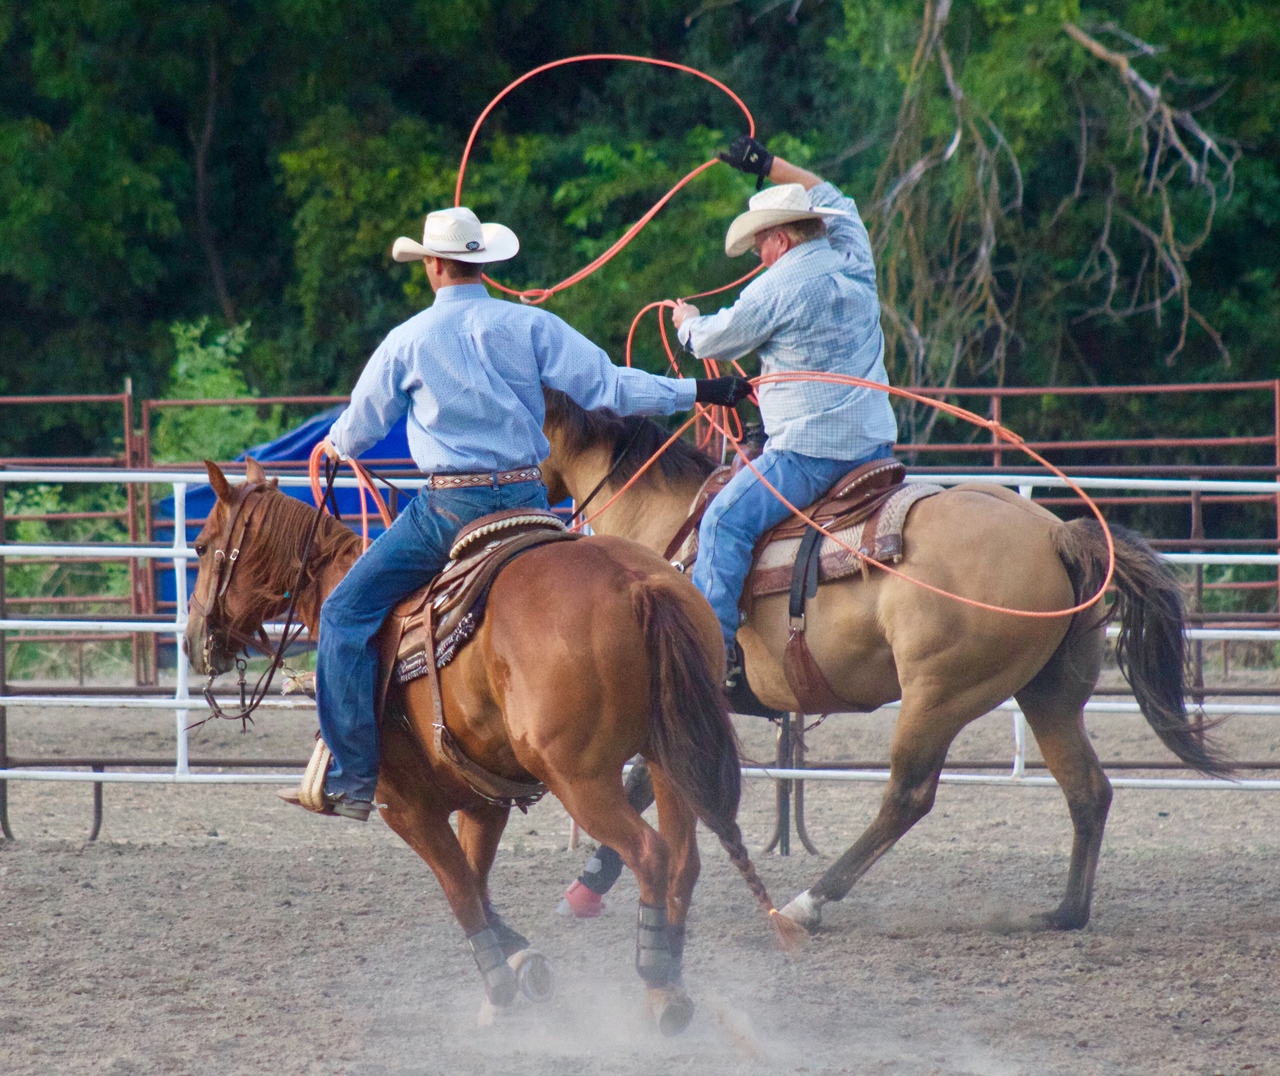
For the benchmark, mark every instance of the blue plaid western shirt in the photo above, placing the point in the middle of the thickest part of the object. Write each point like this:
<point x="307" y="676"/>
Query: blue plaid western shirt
<point x="469" y="371"/>
<point x="815" y="308"/>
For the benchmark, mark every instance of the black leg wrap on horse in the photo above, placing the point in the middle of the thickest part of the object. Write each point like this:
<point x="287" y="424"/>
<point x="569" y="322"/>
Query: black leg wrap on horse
<point x="511" y="941"/>
<point x="605" y="867"/>
<point x="499" y="980"/>
<point x="602" y="870"/>
<point x="655" y="963"/>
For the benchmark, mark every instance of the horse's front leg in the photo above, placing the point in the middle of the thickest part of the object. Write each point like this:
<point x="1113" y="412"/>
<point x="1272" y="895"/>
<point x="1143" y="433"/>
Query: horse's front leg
<point x="480" y="829"/>
<point x="418" y="813"/>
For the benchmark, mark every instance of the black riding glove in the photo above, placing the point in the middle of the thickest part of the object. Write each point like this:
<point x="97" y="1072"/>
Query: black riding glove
<point x="725" y="391"/>
<point x="747" y="155"/>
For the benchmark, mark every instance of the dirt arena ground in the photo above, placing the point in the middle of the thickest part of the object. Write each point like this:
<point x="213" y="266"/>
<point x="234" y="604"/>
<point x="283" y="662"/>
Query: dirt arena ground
<point x="215" y="930"/>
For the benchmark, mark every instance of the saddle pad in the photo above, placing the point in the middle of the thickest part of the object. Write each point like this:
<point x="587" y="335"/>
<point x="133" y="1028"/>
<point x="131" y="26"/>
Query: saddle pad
<point x="857" y="494"/>
<point x="772" y="571"/>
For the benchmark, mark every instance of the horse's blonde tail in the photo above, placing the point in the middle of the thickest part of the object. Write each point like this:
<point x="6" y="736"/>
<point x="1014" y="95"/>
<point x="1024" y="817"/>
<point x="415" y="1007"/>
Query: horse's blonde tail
<point x="692" y="739"/>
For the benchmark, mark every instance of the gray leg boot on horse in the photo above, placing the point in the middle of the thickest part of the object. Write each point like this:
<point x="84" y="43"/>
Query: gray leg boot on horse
<point x="659" y="958"/>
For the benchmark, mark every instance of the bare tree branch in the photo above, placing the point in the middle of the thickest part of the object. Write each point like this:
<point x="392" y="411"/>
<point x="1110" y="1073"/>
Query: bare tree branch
<point x="201" y="144"/>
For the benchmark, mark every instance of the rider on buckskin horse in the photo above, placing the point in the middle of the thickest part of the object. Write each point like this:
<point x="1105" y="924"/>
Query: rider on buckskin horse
<point x="469" y="371"/>
<point x="814" y="309"/>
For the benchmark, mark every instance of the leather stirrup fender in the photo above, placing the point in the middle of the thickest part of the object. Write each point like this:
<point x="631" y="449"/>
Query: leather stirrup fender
<point x="813" y="693"/>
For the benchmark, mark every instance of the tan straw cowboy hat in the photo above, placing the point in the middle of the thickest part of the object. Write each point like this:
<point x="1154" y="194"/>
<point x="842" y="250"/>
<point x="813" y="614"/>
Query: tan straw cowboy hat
<point x="782" y="204"/>
<point x="458" y="234"/>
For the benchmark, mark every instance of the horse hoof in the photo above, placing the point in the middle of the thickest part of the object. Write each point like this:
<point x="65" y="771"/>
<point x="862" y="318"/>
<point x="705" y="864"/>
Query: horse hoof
<point x="804" y="910"/>
<point x="671" y="1008"/>
<point x="534" y="974"/>
<point x="500" y="986"/>
<point x="1059" y="920"/>
<point x="579" y="902"/>
<point x="488" y="1014"/>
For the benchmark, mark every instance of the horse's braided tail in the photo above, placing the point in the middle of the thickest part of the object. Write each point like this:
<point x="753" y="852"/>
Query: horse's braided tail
<point x="1150" y="650"/>
<point x="692" y="739"/>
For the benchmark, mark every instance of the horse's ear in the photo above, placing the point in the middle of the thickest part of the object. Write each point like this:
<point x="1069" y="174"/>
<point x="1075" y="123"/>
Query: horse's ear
<point x="254" y="473"/>
<point x="218" y="480"/>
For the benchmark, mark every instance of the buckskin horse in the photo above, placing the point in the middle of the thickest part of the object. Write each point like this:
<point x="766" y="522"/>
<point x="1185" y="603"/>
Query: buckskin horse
<point x="878" y="638"/>
<point x="590" y="652"/>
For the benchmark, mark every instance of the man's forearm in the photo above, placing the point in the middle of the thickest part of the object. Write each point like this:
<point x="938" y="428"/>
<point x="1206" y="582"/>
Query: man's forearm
<point x="786" y="172"/>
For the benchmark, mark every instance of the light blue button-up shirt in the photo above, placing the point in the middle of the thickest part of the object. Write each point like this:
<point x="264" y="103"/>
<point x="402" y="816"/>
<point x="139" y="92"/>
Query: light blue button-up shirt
<point x="469" y="371"/>
<point x="815" y="308"/>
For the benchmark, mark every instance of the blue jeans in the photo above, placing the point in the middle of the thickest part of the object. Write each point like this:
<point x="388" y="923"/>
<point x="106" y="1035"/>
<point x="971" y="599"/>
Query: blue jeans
<point x="745" y="509"/>
<point x="406" y="557"/>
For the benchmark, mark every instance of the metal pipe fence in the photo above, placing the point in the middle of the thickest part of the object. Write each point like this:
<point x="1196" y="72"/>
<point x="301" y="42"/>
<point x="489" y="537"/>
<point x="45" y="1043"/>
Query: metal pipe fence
<point x="1197" y="485"/>
<point x="182" y="703"/>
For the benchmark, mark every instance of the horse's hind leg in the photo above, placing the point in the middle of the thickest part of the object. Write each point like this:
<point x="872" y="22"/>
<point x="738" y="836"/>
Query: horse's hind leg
<point x="668" y="1001"/>
<point x="1072" y="761"/>
<point x="678" y="825"/>
<point x="600" y="807"/>
<point x="1054" y="707"/>
<point x="921" y="740"/>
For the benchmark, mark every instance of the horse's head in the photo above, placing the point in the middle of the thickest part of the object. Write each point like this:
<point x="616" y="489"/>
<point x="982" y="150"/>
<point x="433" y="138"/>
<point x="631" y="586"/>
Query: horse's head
<point x="231" y="599"/>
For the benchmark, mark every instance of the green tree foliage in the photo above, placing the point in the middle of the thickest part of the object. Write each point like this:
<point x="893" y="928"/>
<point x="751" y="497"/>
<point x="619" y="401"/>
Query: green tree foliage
<point x="254" y="159"/>
<point x="209" y="371"/>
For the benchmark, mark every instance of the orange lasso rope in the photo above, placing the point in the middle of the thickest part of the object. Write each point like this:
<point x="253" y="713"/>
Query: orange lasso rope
<point x="716" y="421"/>
<point x="365" y="484"/>
<point x="535" y="296"/>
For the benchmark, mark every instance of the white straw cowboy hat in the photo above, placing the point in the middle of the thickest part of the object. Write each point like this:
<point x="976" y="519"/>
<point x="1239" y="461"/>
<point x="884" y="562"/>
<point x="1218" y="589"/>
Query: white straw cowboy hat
<point x="782" y="204"/>
<point x="458" y="234"/>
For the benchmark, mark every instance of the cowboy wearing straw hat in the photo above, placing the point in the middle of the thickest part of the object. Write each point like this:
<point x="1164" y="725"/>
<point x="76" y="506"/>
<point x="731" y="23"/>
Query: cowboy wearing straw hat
<point x="469" y="372"/>
<point x="814" y="309"/>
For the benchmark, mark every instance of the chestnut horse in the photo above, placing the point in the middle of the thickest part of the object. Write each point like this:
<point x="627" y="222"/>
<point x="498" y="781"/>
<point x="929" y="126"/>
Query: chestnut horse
<point x="882" y="639"/>
<point x="590" y="652"/>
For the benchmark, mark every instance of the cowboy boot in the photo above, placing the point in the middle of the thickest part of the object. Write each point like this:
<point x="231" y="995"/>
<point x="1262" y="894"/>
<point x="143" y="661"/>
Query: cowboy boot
<point x="738" y="693"/>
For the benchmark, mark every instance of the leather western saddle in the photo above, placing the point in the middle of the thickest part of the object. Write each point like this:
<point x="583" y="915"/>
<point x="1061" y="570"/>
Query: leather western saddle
<point x="867" y="510"/>
<point x="428" y="628"/>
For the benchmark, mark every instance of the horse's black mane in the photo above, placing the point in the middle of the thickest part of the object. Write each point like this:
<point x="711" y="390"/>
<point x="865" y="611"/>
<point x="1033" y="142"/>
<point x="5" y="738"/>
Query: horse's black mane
<point x="583" y="429"/>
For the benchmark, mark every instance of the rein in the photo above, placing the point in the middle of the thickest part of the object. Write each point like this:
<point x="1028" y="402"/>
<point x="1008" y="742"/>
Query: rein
<point x="288" y="635"/>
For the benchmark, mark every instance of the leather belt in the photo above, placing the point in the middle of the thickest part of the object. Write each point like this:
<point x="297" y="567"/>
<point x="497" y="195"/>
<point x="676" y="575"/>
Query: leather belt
<point x="484" y="478"/>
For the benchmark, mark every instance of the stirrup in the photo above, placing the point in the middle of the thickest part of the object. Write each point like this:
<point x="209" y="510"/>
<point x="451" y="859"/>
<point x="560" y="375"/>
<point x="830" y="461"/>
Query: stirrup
<point x="310" y="794"/>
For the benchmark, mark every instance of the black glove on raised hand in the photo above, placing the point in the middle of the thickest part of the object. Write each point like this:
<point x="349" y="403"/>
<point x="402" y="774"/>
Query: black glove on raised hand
<point x="747" y="155"/>
<point x="724" y="391"/>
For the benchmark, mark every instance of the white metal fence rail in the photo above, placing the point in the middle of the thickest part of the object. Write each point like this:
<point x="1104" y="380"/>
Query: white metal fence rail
<point x="182" y="702"/>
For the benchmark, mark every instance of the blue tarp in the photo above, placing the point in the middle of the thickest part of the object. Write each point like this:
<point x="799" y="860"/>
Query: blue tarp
<point x="295" y="445"/>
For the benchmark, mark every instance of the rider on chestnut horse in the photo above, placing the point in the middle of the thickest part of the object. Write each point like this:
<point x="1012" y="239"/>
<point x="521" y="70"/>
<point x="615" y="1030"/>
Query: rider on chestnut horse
<point x="816" y="309"/>
<point x="469" y="372"/>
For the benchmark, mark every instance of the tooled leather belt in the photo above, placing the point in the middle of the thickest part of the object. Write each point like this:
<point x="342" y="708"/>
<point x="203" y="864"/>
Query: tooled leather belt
<point x="484" y="478"/>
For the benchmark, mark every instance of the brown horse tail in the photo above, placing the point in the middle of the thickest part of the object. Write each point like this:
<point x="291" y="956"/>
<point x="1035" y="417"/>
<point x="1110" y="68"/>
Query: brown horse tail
<point x="1151" y="648"/>
<point x="692" y="739"/>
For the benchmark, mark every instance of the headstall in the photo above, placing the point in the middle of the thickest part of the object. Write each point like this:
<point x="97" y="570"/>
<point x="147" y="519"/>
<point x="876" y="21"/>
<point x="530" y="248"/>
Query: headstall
<point x="225" y="569"/>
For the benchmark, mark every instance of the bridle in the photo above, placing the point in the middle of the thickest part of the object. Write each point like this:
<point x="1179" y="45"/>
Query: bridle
<point x="225" y="558"/>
